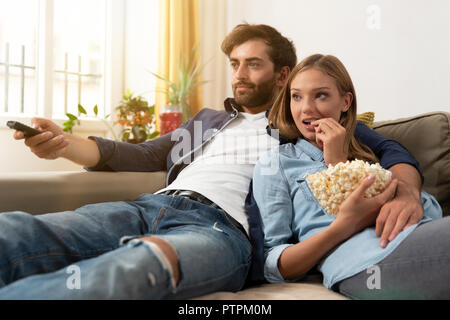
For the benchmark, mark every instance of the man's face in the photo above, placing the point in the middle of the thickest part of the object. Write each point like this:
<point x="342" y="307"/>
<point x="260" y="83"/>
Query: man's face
<point x="254" y="80"/>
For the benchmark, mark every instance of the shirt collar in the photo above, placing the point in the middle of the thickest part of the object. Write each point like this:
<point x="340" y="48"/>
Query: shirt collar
<point x="311" y="150"/>
<point x="231" y="105"/>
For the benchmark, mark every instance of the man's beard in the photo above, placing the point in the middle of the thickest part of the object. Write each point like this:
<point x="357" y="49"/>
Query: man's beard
<point x="256" y="96"/>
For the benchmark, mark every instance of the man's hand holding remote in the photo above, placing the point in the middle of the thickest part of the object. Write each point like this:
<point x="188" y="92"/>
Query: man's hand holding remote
<point x="54" y="143"/>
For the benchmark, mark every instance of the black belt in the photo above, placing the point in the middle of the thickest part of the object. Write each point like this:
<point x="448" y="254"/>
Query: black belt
<point x="192" y="195"/>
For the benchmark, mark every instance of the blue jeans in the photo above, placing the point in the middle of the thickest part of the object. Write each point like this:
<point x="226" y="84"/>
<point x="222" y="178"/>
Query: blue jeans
<point x="417" y="269"/>
<point x="93" y="252"/>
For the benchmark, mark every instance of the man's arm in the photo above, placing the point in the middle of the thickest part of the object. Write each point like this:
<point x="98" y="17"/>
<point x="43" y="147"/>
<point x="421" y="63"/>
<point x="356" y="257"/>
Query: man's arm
<point x="406" y="208"/>
<point x="54" y="143"/>
<point x="94" y="153"/>
<point x="150" y="155"/>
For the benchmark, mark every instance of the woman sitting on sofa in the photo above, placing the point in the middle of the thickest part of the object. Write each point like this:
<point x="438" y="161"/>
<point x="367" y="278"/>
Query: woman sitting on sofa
<point x="317" y="108"/>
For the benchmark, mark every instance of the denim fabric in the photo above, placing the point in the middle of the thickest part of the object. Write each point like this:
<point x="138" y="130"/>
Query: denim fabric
<point x="93" y="253"/>
<point x="163" y="153"/>
<point x="291" y="214"/>
<point x="416" y="269"/>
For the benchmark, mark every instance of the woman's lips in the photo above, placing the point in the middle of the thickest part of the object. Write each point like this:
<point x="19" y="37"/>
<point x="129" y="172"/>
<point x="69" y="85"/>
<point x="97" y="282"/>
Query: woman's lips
<point x="307" y="124"/>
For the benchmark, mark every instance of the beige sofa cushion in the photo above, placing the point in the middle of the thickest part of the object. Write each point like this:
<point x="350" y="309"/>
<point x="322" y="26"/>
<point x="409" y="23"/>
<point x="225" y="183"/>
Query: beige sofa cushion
<point x="42" y="192"/>
<point x="427" y="138"/>
<point x="310" y="288"/>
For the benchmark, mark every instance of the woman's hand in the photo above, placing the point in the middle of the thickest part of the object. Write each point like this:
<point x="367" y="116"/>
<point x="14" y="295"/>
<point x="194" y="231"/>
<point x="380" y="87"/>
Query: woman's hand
<point x="358" y="212"/>
<point x="330" y="136"/>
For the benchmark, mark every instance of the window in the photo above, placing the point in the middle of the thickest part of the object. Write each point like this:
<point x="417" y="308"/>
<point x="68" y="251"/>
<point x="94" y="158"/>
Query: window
<point x="78" y="49"/>
<point x="55" y="54"/>
<point x="18" y="56"/>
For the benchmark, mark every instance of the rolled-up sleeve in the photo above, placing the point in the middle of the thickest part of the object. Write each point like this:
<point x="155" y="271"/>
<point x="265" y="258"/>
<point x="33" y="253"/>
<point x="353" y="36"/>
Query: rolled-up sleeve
<point x="271" y="193"/>
<point x="122" y="156"/>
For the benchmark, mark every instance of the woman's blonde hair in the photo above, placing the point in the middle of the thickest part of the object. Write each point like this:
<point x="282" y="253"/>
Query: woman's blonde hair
<point x="280" y="116"/>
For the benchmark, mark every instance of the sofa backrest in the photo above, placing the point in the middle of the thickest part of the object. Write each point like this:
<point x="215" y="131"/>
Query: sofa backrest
<point x="427" y="138"/>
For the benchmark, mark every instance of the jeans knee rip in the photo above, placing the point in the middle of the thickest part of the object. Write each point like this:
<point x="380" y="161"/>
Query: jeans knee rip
<point x="163" y="260"/>
<point x="165" y="263"/>
<point x="126" y="239"/>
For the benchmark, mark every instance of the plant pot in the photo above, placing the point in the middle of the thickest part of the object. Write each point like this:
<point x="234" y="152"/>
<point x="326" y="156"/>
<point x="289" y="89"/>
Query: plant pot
<point x="171" y="118"/>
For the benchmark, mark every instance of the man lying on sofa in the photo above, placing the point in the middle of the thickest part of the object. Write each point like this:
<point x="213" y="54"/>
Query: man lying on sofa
<point x="192" y="237"/>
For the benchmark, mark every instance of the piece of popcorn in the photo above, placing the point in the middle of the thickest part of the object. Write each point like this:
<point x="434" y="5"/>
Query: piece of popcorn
<point x="333" y="185"/>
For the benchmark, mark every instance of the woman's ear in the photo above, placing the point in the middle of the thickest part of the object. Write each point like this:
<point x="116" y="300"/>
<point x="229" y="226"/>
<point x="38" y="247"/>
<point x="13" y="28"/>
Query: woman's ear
<point x="348" y="99"/>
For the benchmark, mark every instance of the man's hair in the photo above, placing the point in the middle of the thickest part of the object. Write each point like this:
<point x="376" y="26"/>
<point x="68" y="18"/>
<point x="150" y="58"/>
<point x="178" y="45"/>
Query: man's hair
<point x="282" y="50"/>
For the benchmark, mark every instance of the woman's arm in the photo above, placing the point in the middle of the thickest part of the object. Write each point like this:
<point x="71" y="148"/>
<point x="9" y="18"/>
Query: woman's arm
<point x="297" y="260"/>
<point x="272" y="196"/>
<point x="355" y="214"/>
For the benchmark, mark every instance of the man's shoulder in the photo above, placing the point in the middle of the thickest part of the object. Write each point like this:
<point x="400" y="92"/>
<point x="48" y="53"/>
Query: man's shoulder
<point x="208" y="113"/>
<point x="210" y="118"/>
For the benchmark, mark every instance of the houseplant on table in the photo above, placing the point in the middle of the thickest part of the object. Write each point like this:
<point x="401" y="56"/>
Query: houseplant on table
<point x="134" y="115"/>
<point x="178" y="91"/>
<point x="136" y="118"/>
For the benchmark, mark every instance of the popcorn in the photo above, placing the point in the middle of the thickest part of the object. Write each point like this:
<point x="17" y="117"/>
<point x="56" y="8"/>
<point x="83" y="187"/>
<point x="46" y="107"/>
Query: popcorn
<point x="333" y="185"/>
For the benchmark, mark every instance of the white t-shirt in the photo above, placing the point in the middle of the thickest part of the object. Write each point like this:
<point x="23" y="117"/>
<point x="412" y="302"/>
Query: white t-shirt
<point x="223" y="169"/>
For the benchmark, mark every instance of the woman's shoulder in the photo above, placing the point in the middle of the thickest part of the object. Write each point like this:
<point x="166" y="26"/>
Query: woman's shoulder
<point x="287" y="150"/>
<point x="284" y="157"/>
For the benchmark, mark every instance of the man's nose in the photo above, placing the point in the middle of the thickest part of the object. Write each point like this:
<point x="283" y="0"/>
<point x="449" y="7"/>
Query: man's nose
<point x="241" y="72"/>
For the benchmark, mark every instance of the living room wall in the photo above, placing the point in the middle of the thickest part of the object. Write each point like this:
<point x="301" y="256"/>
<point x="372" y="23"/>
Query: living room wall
<point x="396" y="51"/>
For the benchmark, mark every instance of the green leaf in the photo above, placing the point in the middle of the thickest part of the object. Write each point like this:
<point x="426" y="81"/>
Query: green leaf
<point x="81" y="109"/>
<point x="153" y="135"/>
<point x="71" y="116"/>
<point x="96" y="110"/>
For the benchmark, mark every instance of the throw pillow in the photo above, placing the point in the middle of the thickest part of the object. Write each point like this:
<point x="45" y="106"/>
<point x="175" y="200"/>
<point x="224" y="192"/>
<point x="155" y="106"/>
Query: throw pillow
<point x="367" y="118"/>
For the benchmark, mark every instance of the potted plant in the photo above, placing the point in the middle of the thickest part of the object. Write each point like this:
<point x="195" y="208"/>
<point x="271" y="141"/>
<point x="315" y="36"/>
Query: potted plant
<point x="136" y="118"/>
<point x="134" y="115"/>
<point x="189" y="72"/>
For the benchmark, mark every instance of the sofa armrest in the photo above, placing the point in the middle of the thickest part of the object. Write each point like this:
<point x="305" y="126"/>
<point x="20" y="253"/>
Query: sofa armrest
<point x="42" y="192"/>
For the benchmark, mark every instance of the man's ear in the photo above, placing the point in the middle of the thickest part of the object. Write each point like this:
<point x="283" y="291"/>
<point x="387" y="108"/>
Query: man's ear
<point x="283" y="75"/>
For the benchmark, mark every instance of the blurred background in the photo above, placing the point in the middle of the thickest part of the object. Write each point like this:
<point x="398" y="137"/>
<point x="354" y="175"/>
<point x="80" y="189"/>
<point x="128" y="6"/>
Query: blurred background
<point x="58" y="54"/>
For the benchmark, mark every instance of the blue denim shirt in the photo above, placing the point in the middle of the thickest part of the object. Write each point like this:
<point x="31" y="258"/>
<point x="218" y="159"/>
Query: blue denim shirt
<point x="291" y="214"/>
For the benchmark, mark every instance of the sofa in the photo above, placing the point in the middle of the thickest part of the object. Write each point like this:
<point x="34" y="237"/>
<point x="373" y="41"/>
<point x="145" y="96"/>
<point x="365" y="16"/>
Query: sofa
<point x="426" y="136"/>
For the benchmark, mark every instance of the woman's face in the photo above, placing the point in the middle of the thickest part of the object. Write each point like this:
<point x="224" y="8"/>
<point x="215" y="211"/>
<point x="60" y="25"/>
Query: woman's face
<point x="314" y="95"/>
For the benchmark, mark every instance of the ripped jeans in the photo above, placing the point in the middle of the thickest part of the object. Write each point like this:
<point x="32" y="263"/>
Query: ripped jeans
<point x="94" y="252"/>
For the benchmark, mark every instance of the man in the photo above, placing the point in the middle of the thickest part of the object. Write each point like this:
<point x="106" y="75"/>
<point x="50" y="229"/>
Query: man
<point x="192" y="237"/>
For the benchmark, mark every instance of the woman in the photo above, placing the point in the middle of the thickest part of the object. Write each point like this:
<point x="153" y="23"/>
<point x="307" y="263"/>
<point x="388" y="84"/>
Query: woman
<point x="317" y="109"/>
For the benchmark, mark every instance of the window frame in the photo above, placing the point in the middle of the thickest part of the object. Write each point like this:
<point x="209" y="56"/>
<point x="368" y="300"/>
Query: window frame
<point x="113" y="66"/>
